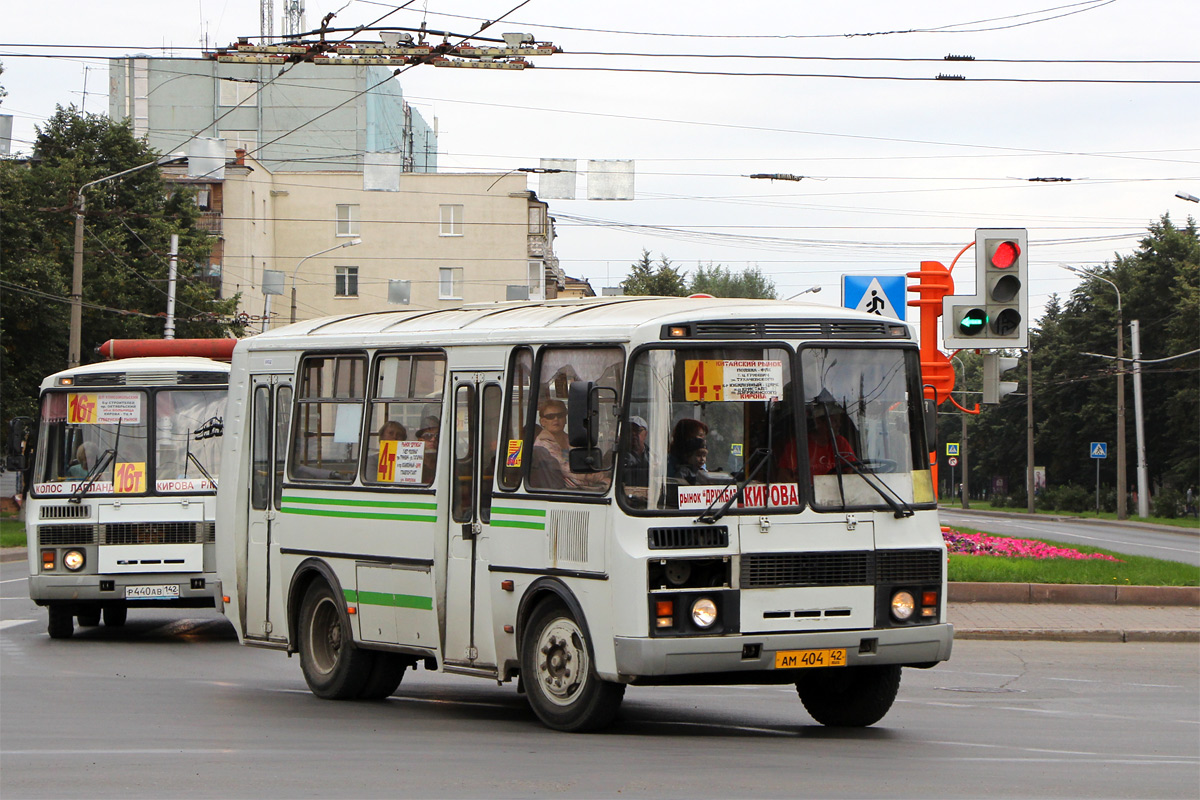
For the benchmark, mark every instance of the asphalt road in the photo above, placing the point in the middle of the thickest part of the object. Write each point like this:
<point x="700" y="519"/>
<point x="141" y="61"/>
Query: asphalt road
<point x="1159" y="541"/>
<point x="171" y="706"/>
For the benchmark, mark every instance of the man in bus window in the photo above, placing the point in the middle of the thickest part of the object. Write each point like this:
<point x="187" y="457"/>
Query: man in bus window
<point x="637" y="460"/>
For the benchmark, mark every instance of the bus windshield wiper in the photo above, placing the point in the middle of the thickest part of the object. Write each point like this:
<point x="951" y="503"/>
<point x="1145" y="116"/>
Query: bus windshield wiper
<point x="101" y="464"/>
<point x="899" y="507"/>
<point x="211" y="428"/>
<point x="708" y="515"/>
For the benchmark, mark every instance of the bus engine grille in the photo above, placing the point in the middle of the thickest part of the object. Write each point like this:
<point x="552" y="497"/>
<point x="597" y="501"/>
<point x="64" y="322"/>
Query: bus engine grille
<point x="688" y="537"/>
<point x="840" y="568"/>
<point x="65" y="535"/>
<point x="157" y="532"/>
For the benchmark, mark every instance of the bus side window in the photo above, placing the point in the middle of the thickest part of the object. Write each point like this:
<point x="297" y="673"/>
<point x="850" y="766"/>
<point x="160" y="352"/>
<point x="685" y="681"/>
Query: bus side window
<point x="404" y="411"/>
<point x="328" y="422"/>
<point x="515" y="438"/>
<point x="490" y="416"/>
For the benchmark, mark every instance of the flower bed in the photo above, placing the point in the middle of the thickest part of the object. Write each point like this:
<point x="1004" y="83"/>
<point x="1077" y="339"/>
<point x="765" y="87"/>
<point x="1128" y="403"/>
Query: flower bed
<point x="981" y="544"/>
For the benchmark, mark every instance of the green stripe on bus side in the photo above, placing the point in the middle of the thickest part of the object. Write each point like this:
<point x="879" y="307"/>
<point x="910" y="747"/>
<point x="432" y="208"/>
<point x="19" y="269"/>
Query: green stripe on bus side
<point x="321" y="512"/>
<point x="520" y="512"/>
<point x="391" y="600"/>
<point x="502" y="523"/>
<point x="369" y="503"/>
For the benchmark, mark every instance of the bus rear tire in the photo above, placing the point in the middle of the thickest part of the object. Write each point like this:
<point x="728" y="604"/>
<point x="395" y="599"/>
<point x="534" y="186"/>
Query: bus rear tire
<point x="60" y="622"/>
<point x="849" y="697"/>
<point x="385" y="677"/>
<point x="334" y="668"/>
<point x="559" y="675"/>
<point x="115" y="615"/>
<point x="89" y="617"/>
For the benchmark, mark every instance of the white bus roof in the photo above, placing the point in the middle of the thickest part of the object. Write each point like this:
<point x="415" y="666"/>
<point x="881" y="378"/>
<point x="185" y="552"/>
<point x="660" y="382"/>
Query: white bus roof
<point x="148" y="369"/>
<point x="596" y="319"/>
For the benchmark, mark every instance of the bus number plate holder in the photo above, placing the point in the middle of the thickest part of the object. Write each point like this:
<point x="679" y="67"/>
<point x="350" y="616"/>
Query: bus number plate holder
<point x="799" y="659"/>
<point x="168" y="591"/>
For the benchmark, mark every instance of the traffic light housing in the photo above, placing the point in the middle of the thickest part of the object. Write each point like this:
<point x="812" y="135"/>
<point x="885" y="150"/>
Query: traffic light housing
<point x="995" y="365"/>
<point x="996" y="316"/>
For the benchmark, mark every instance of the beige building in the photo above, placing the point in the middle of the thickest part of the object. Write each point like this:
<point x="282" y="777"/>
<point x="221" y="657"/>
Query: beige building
<point x="437" y="240"/>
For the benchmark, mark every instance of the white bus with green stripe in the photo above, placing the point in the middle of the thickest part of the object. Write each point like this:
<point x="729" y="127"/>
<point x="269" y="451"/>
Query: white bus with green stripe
<point x="587" y="495"/>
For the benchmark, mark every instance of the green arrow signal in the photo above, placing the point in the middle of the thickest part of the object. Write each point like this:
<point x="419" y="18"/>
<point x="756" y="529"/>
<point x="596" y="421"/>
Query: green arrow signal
<point x="972" y="322"/>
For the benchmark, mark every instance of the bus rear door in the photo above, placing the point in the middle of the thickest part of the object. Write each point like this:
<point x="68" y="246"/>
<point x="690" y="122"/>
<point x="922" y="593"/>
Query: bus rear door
<point x="271" y="401"/>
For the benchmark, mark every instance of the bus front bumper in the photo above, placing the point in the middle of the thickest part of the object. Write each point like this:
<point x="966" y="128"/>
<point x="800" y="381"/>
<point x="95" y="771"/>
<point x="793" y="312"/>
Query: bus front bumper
<point x="754" y="655"/>
<point x="45" y="589"/>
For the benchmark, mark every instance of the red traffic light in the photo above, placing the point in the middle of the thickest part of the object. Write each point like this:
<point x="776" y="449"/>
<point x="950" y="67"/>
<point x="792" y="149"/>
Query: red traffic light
<point x="1005" y="254"/>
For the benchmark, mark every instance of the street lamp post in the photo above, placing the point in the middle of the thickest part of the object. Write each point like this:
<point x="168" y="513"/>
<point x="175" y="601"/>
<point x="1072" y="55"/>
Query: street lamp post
<point x="811" y="289"/>
<point x="350" y="243"/>
<point x="1122" y="511"/>
<point x="74" y="344"/>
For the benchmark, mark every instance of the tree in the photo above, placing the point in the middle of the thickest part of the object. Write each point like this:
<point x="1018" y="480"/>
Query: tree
<point x="127" y="232"/>
<point x="722" y="282"/>
<point x="645" y="279"/>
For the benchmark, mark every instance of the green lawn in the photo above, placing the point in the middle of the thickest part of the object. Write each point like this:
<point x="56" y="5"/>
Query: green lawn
<point x="12" y="532"/>
<point x="980" y="505"/>
<point x="1129" y="571"/>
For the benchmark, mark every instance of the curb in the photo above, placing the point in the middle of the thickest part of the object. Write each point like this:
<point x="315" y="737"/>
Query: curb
<point x="12" y="554"/>
<point x="1080" y="594"/>
<point x="1056" y="635"/>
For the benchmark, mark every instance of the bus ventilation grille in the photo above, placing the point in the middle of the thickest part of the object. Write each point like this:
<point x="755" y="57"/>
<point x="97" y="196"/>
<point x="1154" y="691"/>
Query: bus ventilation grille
<point x="773" y="570"/>
<point x="908" y="566"/>
<point x="155" y="533"/>
<point x="65" y="535"/>
<point x="689" y="537"/>
<point x="788" y="329"/>
<point x="101" y="379"/>
<point x="203" y="378"/>
<point x="65" y="512"/>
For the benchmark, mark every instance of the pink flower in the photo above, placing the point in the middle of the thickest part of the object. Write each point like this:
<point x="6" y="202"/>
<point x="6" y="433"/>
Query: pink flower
<point x="981" y="544"/>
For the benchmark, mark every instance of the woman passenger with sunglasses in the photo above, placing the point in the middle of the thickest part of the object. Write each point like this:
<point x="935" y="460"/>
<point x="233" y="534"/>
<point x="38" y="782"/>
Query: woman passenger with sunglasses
<point x="551" y="464"/>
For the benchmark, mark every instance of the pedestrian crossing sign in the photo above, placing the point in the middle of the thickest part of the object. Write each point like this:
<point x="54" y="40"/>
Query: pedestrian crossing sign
<point x="881" y="295"/>
<point x="951" y="448"/>
<point x="1099" y="449"/>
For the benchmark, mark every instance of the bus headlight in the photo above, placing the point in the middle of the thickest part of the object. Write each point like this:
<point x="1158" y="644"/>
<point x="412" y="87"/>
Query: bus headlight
<point x="903" y="605"/>
<point x="73" y="560"/>
<point x="704" y="612"/>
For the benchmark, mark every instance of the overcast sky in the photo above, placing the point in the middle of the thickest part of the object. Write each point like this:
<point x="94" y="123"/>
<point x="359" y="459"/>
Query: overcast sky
<point x="897" y="168"/>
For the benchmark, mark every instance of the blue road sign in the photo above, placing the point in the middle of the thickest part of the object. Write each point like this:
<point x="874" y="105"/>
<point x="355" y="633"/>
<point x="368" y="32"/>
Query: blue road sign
<point x="1098" y="449"/>
<point x="874" y="294"/>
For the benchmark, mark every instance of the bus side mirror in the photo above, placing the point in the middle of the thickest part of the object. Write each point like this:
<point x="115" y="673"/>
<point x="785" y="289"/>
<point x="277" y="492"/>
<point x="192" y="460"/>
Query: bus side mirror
<point x="582" y="415"/>
<point x="930" y="409"/>
<point x="20" y="443"/>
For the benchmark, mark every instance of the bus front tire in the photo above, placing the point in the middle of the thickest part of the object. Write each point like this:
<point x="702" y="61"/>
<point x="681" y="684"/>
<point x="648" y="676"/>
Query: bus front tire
<point x="334" y="668"/>
<point x="849" y="697"/>
<point x="60" y="622"/>
<point x="115" y="615"/>
<point x="559" y="676"/>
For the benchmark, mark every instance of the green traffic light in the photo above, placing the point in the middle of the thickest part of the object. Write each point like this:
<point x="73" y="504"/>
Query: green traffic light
<point x="973" y="322"/>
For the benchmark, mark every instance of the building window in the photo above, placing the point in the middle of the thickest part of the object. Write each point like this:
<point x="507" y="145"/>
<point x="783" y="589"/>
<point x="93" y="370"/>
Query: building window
<point x="347" y="220"/>
<point x="537" y="220"/>
<point x="537" y="280"/>
<point x="237" y="93"/>
<point x="345" y="281"/>
<point x="452" y="221"/>
<point x="246" y="140"/>
<point x="450" y="283"/>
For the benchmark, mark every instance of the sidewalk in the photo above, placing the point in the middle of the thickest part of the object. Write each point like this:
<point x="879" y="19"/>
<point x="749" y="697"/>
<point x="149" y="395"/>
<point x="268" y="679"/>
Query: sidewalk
<point x="1049" y="612"/>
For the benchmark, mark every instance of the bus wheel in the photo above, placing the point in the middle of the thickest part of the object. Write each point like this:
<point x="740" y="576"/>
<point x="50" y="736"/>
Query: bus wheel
<point x="114" y="615"/>
<point x="61" y="622"/>
<point x="559" y="677"/>
<point x="849" y="697"/>
<point x="333" y="667"/>
<point x="89" y="617"/>
<point x="386" y="674"/>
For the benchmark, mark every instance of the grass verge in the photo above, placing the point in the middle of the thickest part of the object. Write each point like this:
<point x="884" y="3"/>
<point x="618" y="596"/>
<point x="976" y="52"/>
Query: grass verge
<point x="982" y="505"/>
<point x="12" y="532"/>
<point x="1129" y="571"/>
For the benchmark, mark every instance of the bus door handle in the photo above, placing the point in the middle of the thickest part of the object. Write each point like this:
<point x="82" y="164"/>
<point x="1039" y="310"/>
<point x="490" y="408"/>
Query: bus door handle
<point x="471" y="529"/>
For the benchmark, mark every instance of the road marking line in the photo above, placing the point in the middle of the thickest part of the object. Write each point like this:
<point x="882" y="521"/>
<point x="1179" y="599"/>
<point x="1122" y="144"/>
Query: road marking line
<point x="12" y="623"/>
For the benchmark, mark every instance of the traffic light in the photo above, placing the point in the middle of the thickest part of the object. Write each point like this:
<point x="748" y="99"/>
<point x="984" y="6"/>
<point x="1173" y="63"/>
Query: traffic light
<point x="997" y="315"/>
<point x="994" y="365"/>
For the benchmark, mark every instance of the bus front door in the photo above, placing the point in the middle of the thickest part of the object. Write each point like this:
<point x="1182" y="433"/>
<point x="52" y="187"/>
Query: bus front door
<point x="469" y="641"/>
<point x="271" y="412"/>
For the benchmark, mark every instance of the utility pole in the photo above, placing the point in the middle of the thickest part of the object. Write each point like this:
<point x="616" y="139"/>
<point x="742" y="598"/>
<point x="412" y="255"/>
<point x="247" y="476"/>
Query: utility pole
<point x="1143" y="482"/>
<point x="962" y="455"/>
<point x="1029" y="506"/>
<point x="169" y="329"/>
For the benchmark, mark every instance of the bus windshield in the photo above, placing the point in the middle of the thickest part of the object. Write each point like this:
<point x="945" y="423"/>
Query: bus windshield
<point x="79" y="428"/>
<point x="703" y="420"/>
<point x="863" y="430"/>
<point x="187" y="438"/>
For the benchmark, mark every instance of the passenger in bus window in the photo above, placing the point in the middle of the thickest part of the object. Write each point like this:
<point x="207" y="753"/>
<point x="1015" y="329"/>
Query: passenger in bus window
<point x="692" y="458"/>
<point x="430" y="435"/>
<point x="85" y="459"/>
<point x="637" y="460"/>
<point x="685" y="430"/>
<point x="551" y="465"/>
